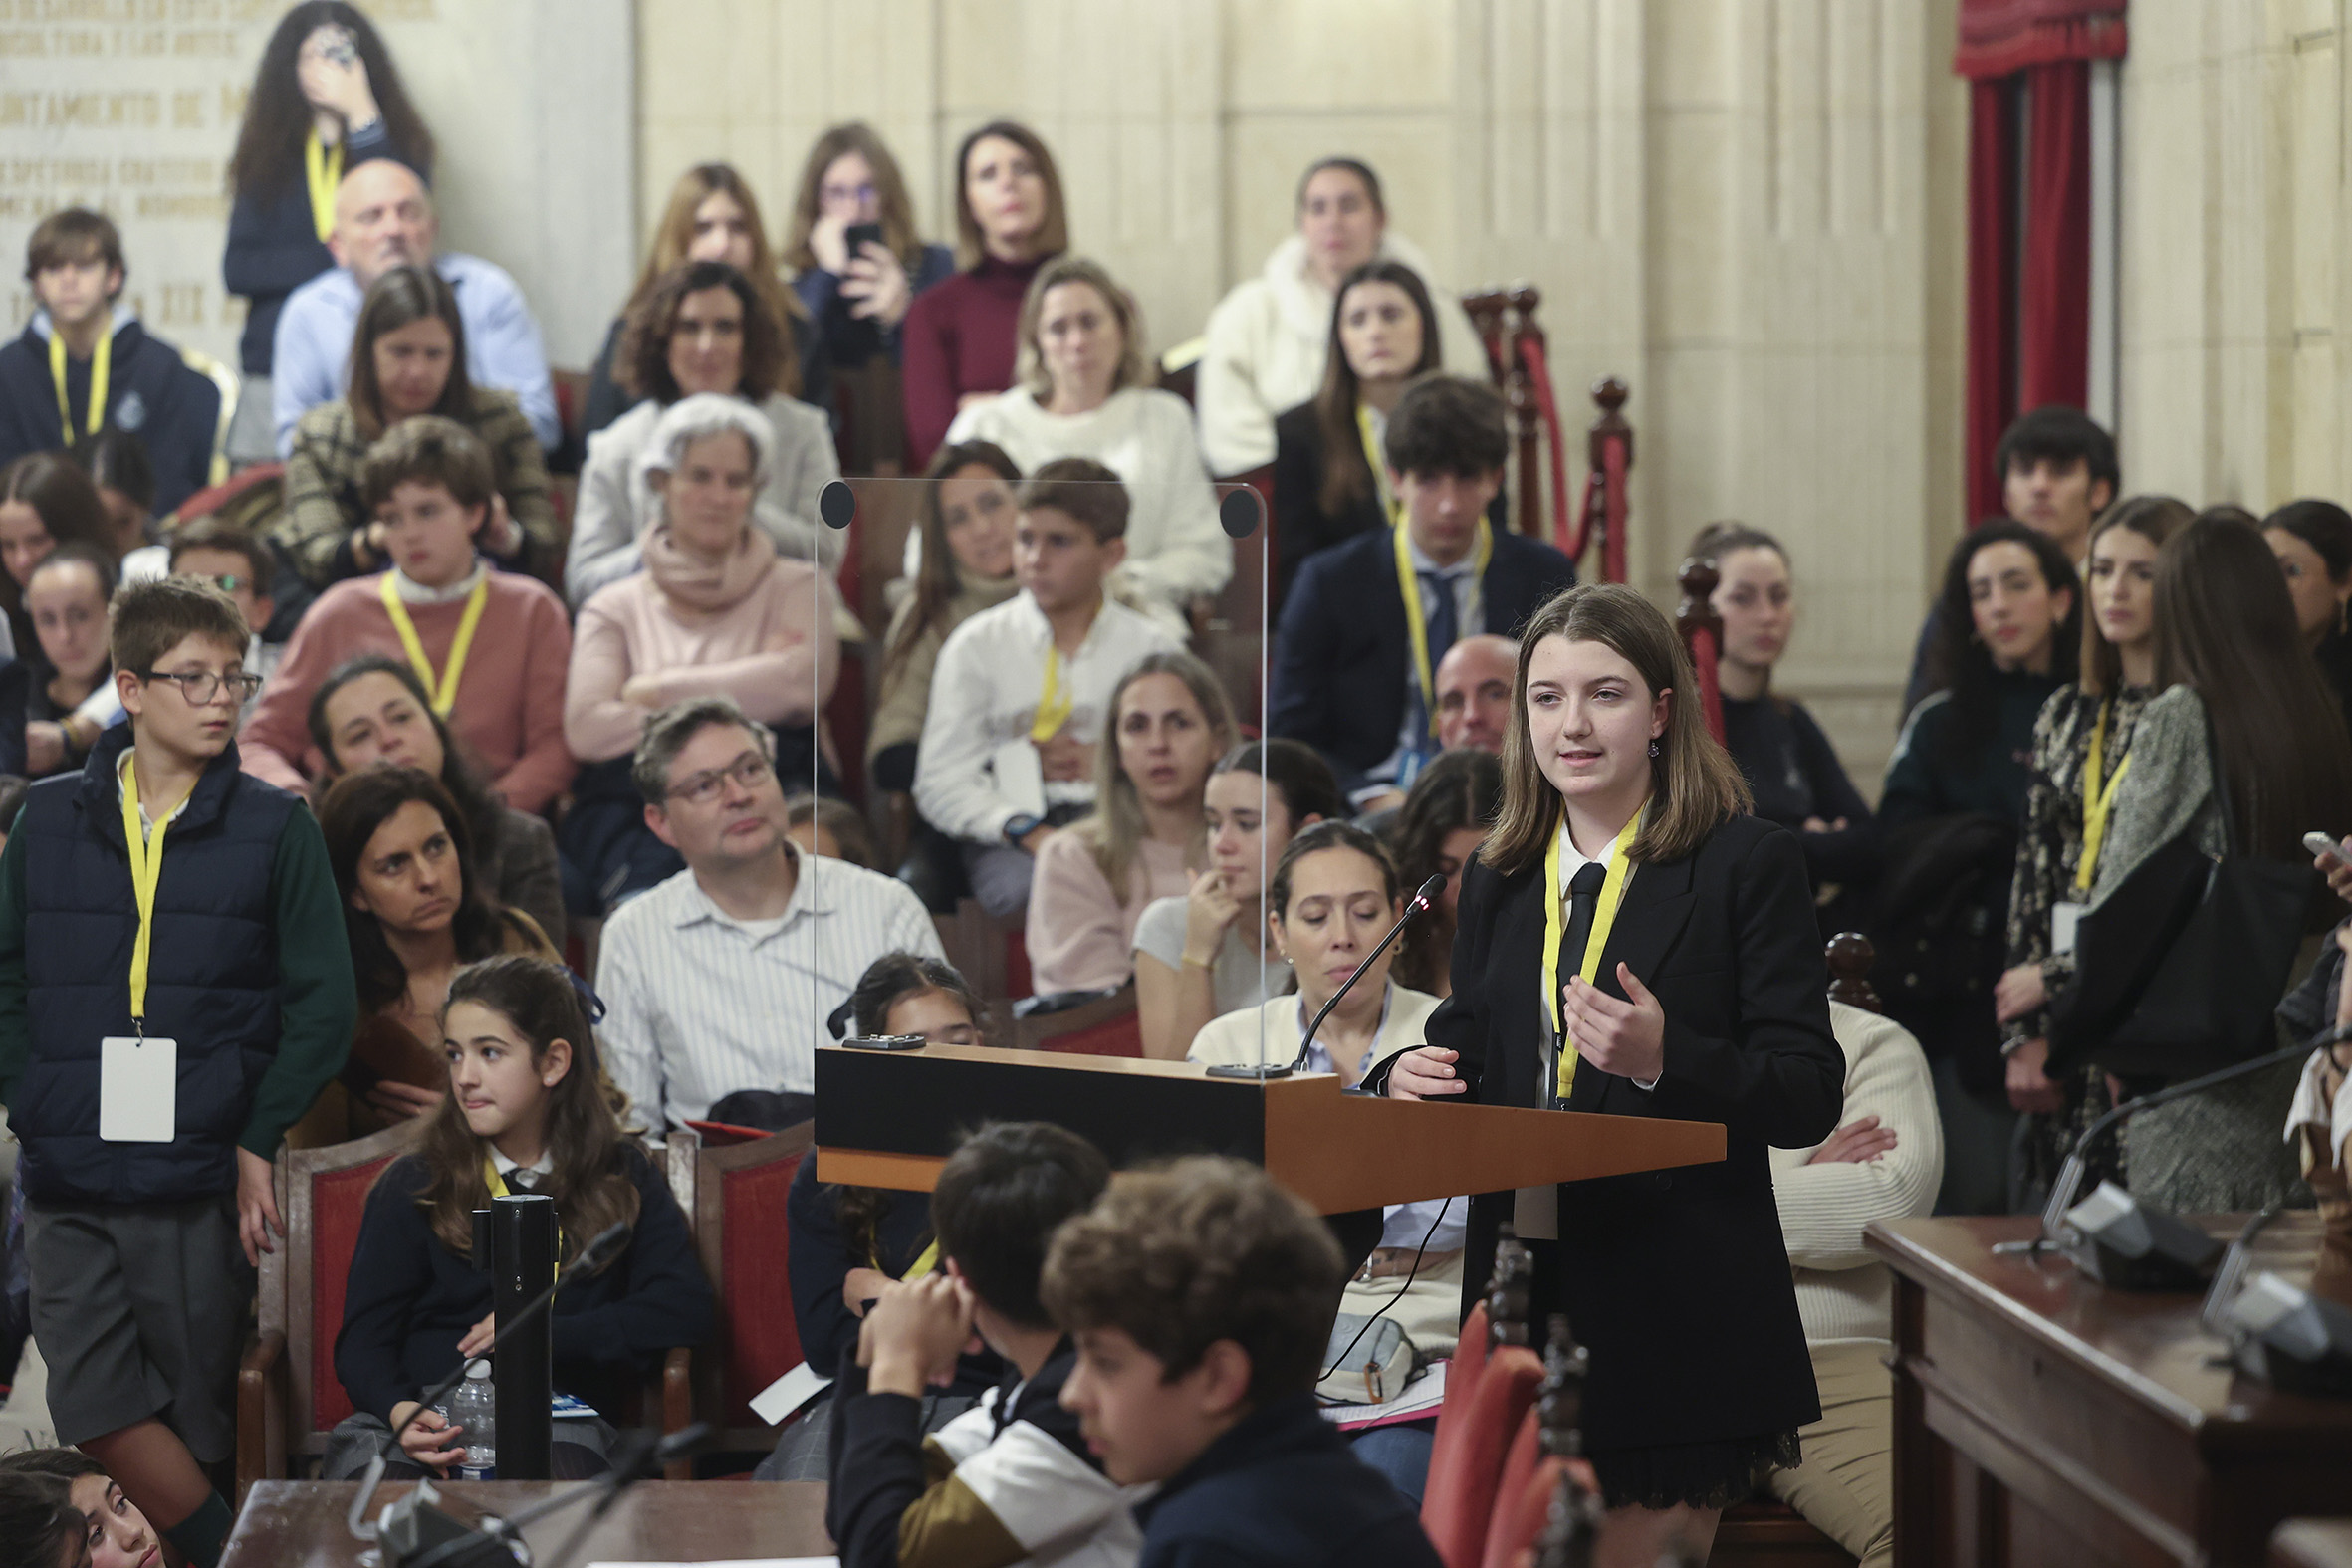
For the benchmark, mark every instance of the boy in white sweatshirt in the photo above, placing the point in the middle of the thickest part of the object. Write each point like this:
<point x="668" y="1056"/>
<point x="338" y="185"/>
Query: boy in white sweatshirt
<point x="1019" y="699"/>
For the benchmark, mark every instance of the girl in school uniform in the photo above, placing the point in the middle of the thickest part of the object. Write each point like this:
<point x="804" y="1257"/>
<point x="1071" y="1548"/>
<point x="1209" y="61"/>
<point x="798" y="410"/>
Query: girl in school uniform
<point x="528" y="1109"/>
<point x="847" y="1242"/>
<point x="1631" y="942"/>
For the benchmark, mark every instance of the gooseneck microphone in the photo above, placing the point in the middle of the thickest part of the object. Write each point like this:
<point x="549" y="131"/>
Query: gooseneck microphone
<point x="1422" y="898"/>
<point x="2056" y="1232"/>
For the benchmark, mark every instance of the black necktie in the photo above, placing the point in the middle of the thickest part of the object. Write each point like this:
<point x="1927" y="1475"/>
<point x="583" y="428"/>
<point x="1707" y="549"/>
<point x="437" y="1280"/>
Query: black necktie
<point x="1583" y="903"/>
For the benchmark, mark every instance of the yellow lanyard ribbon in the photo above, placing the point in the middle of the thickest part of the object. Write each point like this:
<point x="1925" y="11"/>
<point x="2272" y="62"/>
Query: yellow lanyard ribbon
<point x="146" y="870"/>
<point x="1054" y="704"/>
<point x="324" y="167"/>
<point x="1378" y="463"/>
<point x="500" y="1188"/>
<point x="102" y="361"/>
<point x="1616" y="874"/>
<point x="1408" y="583"/>
<point x="924" y="1264"/>
<point x="443" y="686"/>
<point x="2097" y="802"/>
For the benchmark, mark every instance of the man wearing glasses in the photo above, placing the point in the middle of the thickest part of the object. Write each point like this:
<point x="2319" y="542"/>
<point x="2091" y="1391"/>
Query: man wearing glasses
<point x="722" y="978"/>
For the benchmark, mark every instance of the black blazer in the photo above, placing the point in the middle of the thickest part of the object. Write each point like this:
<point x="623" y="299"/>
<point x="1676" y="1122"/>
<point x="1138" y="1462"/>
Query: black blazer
<point x="1342" y="654"/>
<point x="1677" y="1281"/>
<point x="1300" y="525"/>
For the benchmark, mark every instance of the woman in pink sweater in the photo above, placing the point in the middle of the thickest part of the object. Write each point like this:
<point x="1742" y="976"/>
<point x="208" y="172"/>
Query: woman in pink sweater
<point x="715" y="612"/>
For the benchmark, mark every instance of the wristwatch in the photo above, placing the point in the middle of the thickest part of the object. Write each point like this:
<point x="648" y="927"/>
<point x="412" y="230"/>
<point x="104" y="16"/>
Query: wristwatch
<point x="1020" y="827"/>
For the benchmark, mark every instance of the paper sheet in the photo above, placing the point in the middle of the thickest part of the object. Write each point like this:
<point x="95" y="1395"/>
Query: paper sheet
<point x="787" y="1394"/>
<point x="1421" y="1396"/>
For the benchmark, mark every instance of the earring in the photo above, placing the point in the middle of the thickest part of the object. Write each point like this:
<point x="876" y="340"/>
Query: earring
<point x="1654" y="751"/>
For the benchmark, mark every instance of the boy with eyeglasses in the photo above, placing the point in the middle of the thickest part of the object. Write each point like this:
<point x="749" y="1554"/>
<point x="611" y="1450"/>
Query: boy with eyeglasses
<point x="175" y="990"/>
<point x="722" y="976"/>
<point x="493" y="648"/>
<point x="212" y="550"/>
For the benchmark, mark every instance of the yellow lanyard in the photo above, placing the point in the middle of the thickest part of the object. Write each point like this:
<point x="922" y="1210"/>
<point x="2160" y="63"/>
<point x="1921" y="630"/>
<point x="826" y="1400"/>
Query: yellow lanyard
<point x="1408" y="583"/>
<point x="101" y="361"/>
<point x="1379" y="465"/>
<point x="499" y="1189"/>
<point x="1054" y="704"/>
<point x="444" y="686"/>
<point x="1616" y="874"/>
<point x="924" y="1264"/>
<point x="146" y="870"/>
<point x="324" y="167"/>
<point x="2096" y="803"/>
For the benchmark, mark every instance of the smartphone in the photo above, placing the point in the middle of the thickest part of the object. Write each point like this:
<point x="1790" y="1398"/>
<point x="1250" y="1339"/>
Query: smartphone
<point x="2320" y="844"/>
<point x="859" y="235"/>
<point x="885" y="1042"/>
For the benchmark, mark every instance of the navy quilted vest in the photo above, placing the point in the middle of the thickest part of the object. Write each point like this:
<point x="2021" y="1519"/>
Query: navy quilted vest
<point x="212" y="977"/>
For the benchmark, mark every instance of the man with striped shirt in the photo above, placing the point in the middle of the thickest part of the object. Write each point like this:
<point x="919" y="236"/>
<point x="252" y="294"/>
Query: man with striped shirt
<point x="722" y="978"/>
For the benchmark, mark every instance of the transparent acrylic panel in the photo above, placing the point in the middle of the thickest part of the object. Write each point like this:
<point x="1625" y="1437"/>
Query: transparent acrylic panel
<point x="1194" y="575"/>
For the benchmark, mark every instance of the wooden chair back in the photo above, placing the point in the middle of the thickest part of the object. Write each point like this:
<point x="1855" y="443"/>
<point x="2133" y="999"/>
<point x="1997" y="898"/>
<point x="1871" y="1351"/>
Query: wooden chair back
<point x="1109" y="1027"/>
<point x="288" y="1396"/>
<point x="1850" y="956"/>
<point x="742" y="1234"/>
<point x="991" y="954"/>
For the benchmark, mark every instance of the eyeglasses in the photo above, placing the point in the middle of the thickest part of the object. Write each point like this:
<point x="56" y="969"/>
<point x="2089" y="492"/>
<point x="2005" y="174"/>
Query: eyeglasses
<point x="227" y="581"/>
<point x="198" y="687"/>
<point x="703" y="787"/>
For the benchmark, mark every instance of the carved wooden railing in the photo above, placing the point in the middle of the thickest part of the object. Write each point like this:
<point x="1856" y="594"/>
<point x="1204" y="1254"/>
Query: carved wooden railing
<point x="1516" y="356"/>
<point x="1702" y="632"/>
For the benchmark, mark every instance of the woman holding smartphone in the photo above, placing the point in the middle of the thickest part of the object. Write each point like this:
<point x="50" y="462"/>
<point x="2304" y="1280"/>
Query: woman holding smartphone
<point x="1626" y="904"/>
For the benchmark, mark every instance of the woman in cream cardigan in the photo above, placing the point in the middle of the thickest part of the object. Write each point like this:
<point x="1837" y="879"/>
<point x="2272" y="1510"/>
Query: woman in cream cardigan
<point x="1333" y="897"/>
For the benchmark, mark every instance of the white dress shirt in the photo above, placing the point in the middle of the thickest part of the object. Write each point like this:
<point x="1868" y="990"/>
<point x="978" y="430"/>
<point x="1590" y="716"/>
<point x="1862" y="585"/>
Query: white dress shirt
<point x="699" y="1005"/>
<point x="975" y="770"/>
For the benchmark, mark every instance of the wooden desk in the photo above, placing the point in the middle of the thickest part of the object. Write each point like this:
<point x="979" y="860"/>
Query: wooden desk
<point x="2040" y="1417"/>
<point x="300" y="1524"/>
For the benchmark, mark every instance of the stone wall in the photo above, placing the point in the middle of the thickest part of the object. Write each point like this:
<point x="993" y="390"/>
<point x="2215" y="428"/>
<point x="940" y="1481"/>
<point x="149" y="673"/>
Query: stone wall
<point x="133" y="105"/>
<point x="2235" y="214"/>
<point x="1749" y="209"/>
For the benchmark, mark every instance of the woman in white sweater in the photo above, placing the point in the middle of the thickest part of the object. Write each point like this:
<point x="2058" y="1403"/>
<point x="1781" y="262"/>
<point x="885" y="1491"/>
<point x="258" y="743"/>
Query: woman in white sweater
<point x="703" y="328"/>
<point x="1885" y="1162"/>
<point x="1268" y="339"/>
<point x="1083" y="390"/>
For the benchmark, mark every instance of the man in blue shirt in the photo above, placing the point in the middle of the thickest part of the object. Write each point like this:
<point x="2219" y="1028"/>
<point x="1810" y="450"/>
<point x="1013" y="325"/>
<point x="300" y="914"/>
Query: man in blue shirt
<point x="384" y="217"/>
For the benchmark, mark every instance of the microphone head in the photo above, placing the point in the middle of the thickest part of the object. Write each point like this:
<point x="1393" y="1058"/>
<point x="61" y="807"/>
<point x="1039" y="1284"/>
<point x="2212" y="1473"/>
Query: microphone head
<point x="1429" y="892"/>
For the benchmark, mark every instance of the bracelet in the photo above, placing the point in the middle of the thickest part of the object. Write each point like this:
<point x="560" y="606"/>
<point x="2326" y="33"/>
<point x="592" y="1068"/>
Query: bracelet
<point x="1191" y="962"/>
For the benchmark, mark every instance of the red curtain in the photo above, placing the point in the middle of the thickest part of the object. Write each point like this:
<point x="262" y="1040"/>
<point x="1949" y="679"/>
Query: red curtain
<point x="1993" y="286"/>
<point x="2055" y="279"/>
<point x="2028" y="293"/>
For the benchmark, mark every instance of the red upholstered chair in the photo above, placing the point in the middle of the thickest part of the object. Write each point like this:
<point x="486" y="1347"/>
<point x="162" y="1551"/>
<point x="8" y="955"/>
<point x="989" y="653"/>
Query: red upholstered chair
<point x="288" y="1396"/>
<point x="1519" y="1467"/>
<point x="1460" y="1497"/>
<point x="1521" y="1508"/>
<point x="742" y="1233"/>
<point x="1109" y="1027"/>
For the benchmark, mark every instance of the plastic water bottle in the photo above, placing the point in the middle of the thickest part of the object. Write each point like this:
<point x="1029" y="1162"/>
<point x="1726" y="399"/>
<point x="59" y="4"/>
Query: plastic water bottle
<point x="473" y="1406"/>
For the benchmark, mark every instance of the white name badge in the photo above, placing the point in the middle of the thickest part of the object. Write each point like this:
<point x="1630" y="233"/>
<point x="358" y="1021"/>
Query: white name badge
<point x="2064" y="918"/>
<point x="137" y="1089"/>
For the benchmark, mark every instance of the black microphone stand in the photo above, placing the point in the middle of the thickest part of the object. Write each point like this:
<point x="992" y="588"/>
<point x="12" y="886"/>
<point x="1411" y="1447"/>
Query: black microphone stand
<point x="1262" y="1070"/>
<point x="602" y="1249"/>
<point x="2056" y="1233"/>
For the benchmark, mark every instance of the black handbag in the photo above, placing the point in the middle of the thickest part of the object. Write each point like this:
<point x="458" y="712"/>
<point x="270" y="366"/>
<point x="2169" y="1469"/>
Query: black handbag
<point x="2180" y="970"/>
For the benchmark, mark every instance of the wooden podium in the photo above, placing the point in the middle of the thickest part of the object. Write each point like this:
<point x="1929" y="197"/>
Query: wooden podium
<point x="890" y="1119"/>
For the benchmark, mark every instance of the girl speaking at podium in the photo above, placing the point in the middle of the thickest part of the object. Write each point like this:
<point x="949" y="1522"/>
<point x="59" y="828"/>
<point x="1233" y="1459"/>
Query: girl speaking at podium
<point x="1627" y="905"/>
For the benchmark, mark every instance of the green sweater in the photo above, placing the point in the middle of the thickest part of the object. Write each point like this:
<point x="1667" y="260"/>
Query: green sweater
<point x="317" y="1006"/>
